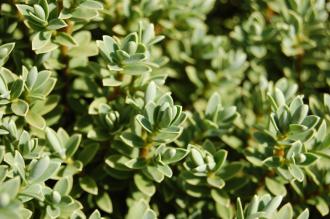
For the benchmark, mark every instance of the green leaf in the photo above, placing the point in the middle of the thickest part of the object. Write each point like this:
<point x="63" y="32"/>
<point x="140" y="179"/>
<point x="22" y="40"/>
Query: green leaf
<point x="56" y="24"/>
<point x="111" y="82"/>
<point x="20" y="164"/>
<point x="17" y="88"/>
<point x="144" y="123"/>
<point x="38" y="169"/>
<point x="285" y="212"/>
<point x="65" y="39"/>
<point x="220" y="158"/>
<point x="33" y="191"/>
<point x="92" y="5"/>
<point x="155" y="173"/>
<point x="239" y="208"/>
<point x="296" y="172"/>
<point x="216" y="181"/>
<point x="41" y="39"/>
<point x="132" y="140"/>
<point x="273" y="205"/>
<point x="145" y="185"/>
<point x="136" y="69"/>
<point x="140" y="209"/>
<point x="212" y="105"/>
<point x="5" y="50"/>
<point x="103" y="201"/>
<point x="64" y="185"/>
<point x="88" y="152"/>
<point x="39" y="11"/>
<point x="20" y="107"/>
<point x="53" y="211"/>
<point x="310" y="159"/>
<point x="95" y="215"/>
<point x="151" y="92"/>
<point x="72" y="145"/>
<point x="88" y="184"/>
<point x="32" y="76"/>
<point x="173" y="155"/>
<point x="54" y="142"/>
<point x="322" y="206"/>
<point x="197" y="157"/>
<point x="304" y="214"/>
<point x="275" y="187"/>
<point x="49" y="172"/>
<point x="253" y="206"/>
<point x="35" y="120"/>
<point x="11" y="187"/>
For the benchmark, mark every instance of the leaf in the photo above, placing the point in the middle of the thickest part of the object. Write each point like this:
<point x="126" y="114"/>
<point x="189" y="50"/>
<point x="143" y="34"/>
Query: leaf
<point x="33" y="191"/>
<point x="279" y="97"/>
<point x="239" y="209"/>
<point x="111" y="82"/>
<point x="38" y="169"/>
<point x="64" y="185"/>
<point x="144" y="185"/>
<point x="151" y="92"/>
<point x="45" y="106"/>
<point x="11" y="187"/>
<point x="216" y="181"/>
<point x="310" y="159"/>
<point x="299" y="114"/>
<point x="48" y="47"/>
<point x="32" y="77"/>
<point x="273" y="205"/>
<point x="132" y="140"/>
<point x="65" y="40"/>
<point x="54" y="142"/>
<point x="5" y="50"/>
<point x="92" y="5"/>
<point x="197" y="157"/>
<point x="41" y="39"/>
<point x="144" y="123"/>
<point x="165" y="169"/>
<point x="155" y="173"/>
<point x="140" y="209"/>
<point x="49" y="172"/>
<point x="20" y="107"/>
<point x="103" y="201"/>
<point x="72" y="144"/>
<point x="296" y="172"/>
<point x="88" y="152"/>
<point x="16" y="89"/>
<point x="253" y="206"/>
<point x="35" y="120"/>
<point x="39" y="11"/>
<point x="310" y="121"/>
<point x="136" y="69"/>
<point x="220" y="158"/>
<point x="179" y="154"/>
<point x="322" y="206"/>
<point x="212" y="105"/>
<point x="53" y="211"/>
<point x="304" y="214"/>
<point x="23" y="9"/>
<point x="275" y="187"/>
<point x="56" y="24"/>
<point x="20" y="164"/>
<point x="230" y="170"/>
<point x="285" y="212"/>
<point x="88" y="184"/>
<point x="95" y="215"/>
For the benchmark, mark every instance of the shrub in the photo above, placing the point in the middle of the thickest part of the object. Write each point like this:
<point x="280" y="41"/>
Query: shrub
<point x="164" y="108"/>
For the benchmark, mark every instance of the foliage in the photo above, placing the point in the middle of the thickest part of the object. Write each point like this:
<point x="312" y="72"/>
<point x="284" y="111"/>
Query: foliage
<point x="164" y="109"/>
